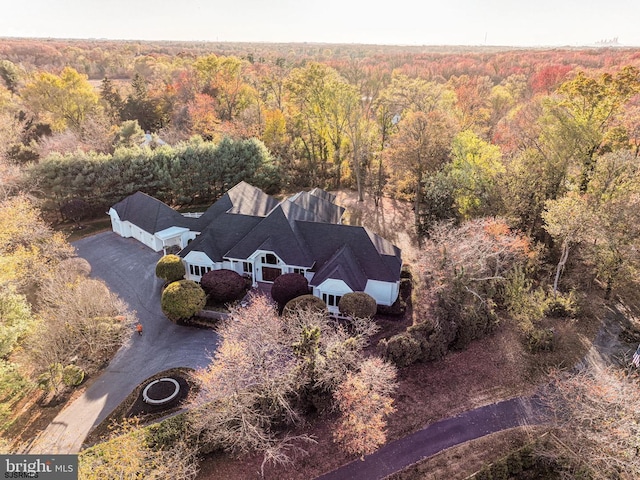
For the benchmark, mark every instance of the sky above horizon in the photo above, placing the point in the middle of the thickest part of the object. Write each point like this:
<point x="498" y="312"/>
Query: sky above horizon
<point x="399" y="22"/>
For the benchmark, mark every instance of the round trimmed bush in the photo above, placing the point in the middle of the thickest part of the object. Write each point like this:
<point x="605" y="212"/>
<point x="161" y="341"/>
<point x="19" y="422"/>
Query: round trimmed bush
<point x="358" y="305"/>
<point x="170" y="268"/>
<point x="287" y="287"/>
<point x="305" y="302"/>
<point x="72" y="375"/>
<point x="402" y="349"/>
<point x="181" y="300"/>
<point x="223" y="286"/>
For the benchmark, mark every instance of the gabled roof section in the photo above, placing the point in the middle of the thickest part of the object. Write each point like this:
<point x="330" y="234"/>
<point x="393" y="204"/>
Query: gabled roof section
<point x="342" y="265"/>
<point x="242" y="199"/>
<point x="249" y="200"/>
<point x="221" y="235"/>
<point x="150" y="214"/>
<point x="293" y="212"/>
<point x="277" y="233"/>
<point x="323" y="194"/>
<point x="370" y="252"/>
<point x="323" y="210"/>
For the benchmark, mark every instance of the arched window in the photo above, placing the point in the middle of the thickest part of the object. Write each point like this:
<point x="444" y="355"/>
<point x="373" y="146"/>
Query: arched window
<point x="270" y="259"/>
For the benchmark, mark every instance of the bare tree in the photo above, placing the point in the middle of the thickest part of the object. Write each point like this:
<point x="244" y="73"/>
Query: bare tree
<point x="597" y="419"/>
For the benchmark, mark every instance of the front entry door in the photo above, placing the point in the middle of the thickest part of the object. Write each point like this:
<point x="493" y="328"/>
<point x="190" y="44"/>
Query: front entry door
<point x="269" y="274"/>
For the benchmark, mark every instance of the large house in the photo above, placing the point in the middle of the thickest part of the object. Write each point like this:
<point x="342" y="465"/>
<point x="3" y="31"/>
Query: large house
<point x="254" y="234"/>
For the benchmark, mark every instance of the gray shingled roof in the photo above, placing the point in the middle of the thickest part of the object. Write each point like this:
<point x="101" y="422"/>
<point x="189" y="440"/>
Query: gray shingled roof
<point x="323" y="210"/>
<point x="343" y="265"/>
<point x="300" y="230"/>
<point x="221" y="235"/>
<point x="275" y="231"/>
<point x="151" y="214"/>
<point x="318" y="192"/>
<point x="378" y="259"/>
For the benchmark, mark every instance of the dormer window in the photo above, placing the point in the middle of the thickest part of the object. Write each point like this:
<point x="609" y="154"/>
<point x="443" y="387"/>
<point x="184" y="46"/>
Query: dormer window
<point x="270" y="259"/>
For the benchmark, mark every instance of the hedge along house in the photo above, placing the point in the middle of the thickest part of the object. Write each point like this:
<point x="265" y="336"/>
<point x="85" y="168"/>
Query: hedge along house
<point x="253" y="234"/>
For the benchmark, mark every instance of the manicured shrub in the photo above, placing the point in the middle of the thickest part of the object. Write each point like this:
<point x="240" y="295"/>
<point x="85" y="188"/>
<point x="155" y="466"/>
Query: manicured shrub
<point x="182" y="300"/>
<point x="170" y="268"/>
<point x="357" y="304"/>
<point x="72" y="375"/>
<point x="305" y="302"/>
<point x="402" y="349"/>
<point x="432" y="338"/>
<point x="288" y="286"/>
<point x="223" y="286"/>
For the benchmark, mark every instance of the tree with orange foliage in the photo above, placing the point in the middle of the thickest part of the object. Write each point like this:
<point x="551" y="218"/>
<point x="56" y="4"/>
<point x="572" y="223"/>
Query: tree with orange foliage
<point x="365" y="399"/>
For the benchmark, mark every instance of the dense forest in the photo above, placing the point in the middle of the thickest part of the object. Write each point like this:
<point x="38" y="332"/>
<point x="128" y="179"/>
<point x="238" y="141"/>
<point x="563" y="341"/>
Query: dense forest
<point x="518" y="163"/>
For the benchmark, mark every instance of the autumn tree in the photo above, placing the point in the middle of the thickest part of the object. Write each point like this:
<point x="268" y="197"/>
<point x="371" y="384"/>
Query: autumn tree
<point x="568" y="220"/>
<point x="67" y="100"/>
<point x="461" y="268"/>
<point x="362" y="135"/>
<point x="28" y="246"/>
<point x="10" y="74"/>
<point x="597" y="432"/>
<point x="365" y="399"/>
<point x="129" y="455"/>
<point x="256" y="374"/>
<point x="586" y="110"/>
<point x="614" y="196"/>
<point x="248" y="387"/>
<point x="475" y="166"/>
<point x="421" y="146"/>
<point x="80" y="321"/>
<point x="320" y="100"/>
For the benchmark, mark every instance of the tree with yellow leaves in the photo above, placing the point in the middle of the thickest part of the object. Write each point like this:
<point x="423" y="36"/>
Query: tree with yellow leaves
<point x="67" y="99"/>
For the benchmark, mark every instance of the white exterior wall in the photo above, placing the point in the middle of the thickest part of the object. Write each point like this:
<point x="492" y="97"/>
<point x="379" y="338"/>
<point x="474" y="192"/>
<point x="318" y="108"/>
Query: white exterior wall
<point x="199" y="259"/>
<point x="385" y="293"/>
<point x="116" y="224"/>
<point x="256" y="259"/>
<point x="334" y="287"/>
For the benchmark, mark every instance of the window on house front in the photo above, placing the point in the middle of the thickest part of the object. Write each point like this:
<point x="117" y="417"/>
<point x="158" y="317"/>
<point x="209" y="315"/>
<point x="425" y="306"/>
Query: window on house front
<point x="299" y="270"/>
<point x="270" y="259"/>
<point x="197" y="270"/>
<point x="331" y="300"/>
<point x="247" y="267"/>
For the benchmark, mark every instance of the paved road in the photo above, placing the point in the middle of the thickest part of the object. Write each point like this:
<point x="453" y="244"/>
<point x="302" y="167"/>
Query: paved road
<point x="438" y="436"/>
<point x="397" y="455"/>
<point x="128" y="268"/>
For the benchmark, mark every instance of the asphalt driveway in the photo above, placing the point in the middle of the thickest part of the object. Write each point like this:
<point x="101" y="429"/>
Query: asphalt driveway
<point x="128" y="268"/>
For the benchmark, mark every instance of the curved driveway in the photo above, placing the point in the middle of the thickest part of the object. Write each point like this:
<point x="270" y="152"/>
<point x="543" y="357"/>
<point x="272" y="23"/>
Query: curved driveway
<point x="128" y="268"/>
<point x="439" y="436"/>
